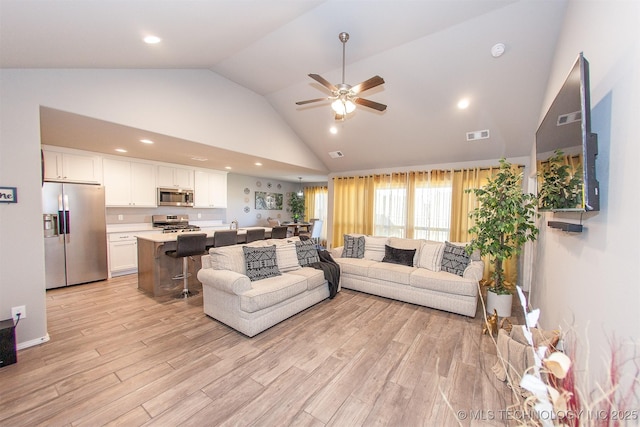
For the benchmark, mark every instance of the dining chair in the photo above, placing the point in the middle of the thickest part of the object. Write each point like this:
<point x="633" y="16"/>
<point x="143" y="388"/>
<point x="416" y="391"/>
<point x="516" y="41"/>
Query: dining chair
<point x="254" y="234"/>
<point x="279" y="232"/>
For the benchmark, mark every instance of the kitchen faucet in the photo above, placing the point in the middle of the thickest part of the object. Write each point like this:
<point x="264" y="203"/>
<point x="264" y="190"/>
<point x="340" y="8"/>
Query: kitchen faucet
<point x="234" y="225"/>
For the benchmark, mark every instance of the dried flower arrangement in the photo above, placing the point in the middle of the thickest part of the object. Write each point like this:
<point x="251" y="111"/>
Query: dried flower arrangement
<point x="553" y="397"/>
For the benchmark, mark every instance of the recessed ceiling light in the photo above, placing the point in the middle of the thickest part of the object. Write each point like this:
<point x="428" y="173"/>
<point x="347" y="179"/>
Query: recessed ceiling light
<point x="228" y="167"/>
<point x="146" y="141"/>
<point x="121" y="150"/>
<point x="152" y="39"/>
<point x="258" y="164"/>
<point x="333" y="130"/>
<point x="463" y="103"/>
<point x="199" y="159"/>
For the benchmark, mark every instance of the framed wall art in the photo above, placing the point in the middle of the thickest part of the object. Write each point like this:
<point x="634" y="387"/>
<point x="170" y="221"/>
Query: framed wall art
<point x="268" y="201"/>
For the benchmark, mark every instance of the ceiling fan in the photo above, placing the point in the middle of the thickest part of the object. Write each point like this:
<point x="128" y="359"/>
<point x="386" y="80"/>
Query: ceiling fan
<point x="344" y="96"/>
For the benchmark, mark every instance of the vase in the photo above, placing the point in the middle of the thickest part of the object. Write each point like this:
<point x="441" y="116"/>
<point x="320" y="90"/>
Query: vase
<point x="295" y="220"/>
<point x="501" y="303"/>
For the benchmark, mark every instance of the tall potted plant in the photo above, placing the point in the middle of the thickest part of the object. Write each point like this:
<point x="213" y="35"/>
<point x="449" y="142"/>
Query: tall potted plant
<point x="504" y="222"/>
<point x="296" y="206"/>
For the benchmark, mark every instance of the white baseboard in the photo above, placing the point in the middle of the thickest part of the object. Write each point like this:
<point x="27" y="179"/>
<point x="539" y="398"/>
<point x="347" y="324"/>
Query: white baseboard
<point x="31" y="343"/>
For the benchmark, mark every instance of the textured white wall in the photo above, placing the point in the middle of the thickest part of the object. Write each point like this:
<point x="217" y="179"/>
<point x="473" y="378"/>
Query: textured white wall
<point x="589" y="281"/>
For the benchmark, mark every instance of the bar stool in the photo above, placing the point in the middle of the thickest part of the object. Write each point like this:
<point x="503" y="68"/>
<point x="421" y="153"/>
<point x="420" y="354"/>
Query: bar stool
<point x="225" y="238"/>
<point x="279" y="232"/>
<point x="254" y="234"/>
<point x="188" y="245"/>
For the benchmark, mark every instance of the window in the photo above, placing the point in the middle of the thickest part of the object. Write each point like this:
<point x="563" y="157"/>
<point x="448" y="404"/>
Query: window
<point x="432" y="213"/>
<point x="412" y="205"/>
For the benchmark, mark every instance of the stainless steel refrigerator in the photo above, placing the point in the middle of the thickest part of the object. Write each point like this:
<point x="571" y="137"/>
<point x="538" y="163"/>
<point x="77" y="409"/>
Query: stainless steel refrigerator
<point x="75" y="233"/>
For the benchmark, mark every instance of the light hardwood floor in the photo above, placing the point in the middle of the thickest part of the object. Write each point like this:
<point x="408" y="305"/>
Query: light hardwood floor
<point x="119" y="357"/>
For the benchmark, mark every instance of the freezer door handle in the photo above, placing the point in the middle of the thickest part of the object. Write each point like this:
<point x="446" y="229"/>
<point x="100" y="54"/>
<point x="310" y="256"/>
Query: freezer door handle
<point x="67" y="229"/>
<point x="63" y="214"/>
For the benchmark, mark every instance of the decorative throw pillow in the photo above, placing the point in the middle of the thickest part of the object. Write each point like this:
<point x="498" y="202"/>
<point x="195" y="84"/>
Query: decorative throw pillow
<point x="431" y="255"/>
<point x="475" y="255"/>
<point x="287" y="257"/>
<point x="404" y="243"/>
<point x="374" y="248"/>
<point x="398" y="256"/>
<point x="454" y="259"/>
<point x="261" y="262"/>
<point x="307" y="252"/>
<point x="353" y="246"/>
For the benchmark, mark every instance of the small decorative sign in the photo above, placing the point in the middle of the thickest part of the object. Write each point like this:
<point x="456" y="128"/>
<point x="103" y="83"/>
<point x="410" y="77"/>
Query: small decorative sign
<point x="8" y="195"/>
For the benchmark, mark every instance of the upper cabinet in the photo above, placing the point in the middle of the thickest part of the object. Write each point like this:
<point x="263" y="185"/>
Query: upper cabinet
<point x="71" y="167"/>
<point x="172" y="177"/>
<point x="210" y="189"/>
<point x="130" y="184"/>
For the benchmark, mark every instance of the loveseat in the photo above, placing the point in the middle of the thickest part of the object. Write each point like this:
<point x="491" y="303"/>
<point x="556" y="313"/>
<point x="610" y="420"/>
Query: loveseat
<point x="255" y="286"/>
<point x="439" y="275"/>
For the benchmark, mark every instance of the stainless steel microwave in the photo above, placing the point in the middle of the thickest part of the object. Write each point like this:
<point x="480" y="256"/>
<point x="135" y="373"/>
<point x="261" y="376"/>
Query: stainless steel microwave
<point x="175" y="197"/>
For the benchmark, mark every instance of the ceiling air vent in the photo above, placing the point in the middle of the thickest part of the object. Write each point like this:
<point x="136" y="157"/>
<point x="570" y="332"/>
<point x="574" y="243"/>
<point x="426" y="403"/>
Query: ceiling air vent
<point x="336" y="154"/>
<point x="479" y="134"/>
<point x="565" y="119"/>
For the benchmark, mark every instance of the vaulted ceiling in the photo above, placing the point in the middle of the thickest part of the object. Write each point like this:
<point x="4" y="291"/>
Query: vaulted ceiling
<point x="430" y="53"/>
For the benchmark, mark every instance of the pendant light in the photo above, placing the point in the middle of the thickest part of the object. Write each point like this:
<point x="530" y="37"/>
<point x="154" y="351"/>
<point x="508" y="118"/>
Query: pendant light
<point x="300" y="193"/>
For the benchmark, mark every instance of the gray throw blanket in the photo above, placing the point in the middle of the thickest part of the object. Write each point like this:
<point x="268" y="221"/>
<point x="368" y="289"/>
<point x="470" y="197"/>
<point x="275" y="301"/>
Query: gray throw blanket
<point x="331" y="271"/>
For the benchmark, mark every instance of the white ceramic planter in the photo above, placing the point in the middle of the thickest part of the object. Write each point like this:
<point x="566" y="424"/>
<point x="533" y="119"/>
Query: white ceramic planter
<point x="501" y="303"/>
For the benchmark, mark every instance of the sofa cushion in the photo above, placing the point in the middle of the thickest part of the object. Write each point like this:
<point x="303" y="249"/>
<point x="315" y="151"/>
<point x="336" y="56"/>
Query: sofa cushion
<point x="271" y="291"/>
<point x="314" y="277"/>
<point x="354" y="266"/>
<point x="398" y="256"/>
<point x="394" y="273"/>
<point x="353" y="246"/>
<point x="454" y="259"/>
<point x="228" y="258"/>
<point x="287" y="257"/>
<point x="374" y="247"/>
<point x="431" y="255"/>
<point x="402" y="243"/>
<point x="442" y="281"/>
<point x="261" y="262"/>
<point x="306" y="252"/>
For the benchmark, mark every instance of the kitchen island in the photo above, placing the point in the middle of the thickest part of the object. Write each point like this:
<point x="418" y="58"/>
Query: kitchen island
<point x="156" y="269"/>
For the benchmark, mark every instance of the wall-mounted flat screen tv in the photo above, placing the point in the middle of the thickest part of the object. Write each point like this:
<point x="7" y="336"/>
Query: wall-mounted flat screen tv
<point x="566" y="150"/>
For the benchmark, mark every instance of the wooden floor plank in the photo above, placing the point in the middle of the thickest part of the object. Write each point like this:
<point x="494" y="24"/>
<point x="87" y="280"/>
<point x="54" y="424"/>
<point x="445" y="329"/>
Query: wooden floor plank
<point x="120" y="357"/>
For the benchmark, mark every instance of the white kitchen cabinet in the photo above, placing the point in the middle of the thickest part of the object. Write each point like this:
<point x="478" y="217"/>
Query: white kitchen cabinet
<point x="71" y="167"/>
<point x="129" y="183"/>
<point x="172" y="177"/>
<point x="210" y="189"/>
<point x="123" y="253"/>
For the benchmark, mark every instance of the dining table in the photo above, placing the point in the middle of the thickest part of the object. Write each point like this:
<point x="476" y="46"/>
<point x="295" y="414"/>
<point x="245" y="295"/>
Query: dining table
<point x="295" y="227"/>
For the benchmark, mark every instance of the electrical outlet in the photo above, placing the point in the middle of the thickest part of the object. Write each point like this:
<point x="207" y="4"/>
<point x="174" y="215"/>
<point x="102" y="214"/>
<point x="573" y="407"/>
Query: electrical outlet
<point x="199" y="215"/>
<point x="19" y="309"/>
<point x="120" y="217"/>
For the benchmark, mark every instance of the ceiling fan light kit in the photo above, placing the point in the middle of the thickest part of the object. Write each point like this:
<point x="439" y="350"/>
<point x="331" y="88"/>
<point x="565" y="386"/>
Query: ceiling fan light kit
<point x="344" y="97"/>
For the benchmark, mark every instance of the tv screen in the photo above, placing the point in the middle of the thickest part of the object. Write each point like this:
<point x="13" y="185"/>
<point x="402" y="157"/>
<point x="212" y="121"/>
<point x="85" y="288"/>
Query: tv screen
<point x="566" y="150"/>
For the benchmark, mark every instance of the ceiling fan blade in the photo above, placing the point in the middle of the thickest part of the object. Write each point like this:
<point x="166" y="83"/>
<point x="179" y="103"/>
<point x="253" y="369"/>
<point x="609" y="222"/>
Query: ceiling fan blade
<point x="309" y="101"/>
<point x="367" y="84"/>
<point x="323" y="82"/>
<point x="370" y="104"/>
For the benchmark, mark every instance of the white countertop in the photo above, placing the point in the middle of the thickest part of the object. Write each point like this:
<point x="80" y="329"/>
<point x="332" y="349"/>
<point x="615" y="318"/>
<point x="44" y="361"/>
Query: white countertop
<point x="172" y="237"/>
<point x="145" y="226"/>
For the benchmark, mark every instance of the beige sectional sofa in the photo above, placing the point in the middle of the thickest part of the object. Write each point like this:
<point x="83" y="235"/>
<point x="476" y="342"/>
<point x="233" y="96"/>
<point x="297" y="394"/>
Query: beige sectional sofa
<point x="425" y="282"/>
<point x="251" y="306"/>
